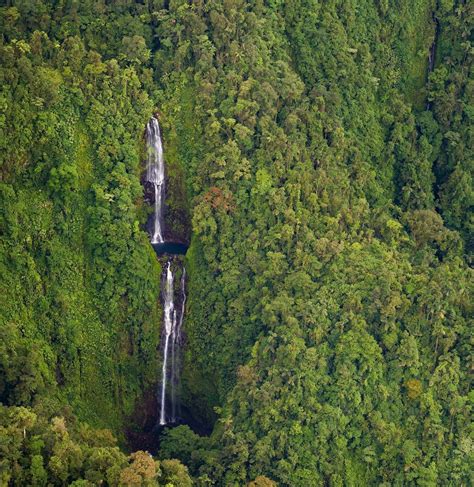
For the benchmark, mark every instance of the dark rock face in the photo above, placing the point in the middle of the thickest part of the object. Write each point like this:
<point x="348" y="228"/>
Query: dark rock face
<point x="177" y="225"/>
<point x="170" y="248"/>
<point x="142" y="434"/>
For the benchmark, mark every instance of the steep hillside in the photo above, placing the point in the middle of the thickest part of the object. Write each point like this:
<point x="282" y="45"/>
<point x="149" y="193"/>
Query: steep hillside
<point x="319" y="157"/>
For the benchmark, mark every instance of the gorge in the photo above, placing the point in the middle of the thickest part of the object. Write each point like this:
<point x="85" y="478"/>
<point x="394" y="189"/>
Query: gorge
<point x="173" y="300"/>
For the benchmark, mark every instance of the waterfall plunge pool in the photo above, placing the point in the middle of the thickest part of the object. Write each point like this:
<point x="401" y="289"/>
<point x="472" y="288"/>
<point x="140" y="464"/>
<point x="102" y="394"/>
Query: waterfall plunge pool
<point x="171" y="248"/>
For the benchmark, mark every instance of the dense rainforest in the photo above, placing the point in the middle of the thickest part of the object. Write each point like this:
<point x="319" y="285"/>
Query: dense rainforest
<point x="320" y="160"/>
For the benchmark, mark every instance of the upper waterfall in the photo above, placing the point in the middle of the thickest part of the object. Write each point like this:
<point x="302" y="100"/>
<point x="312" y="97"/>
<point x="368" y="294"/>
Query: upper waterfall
<point x="155" y="174"/>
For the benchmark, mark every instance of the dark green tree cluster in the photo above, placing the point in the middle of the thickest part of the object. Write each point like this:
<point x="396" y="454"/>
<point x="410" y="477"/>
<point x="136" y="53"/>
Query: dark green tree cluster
<point x="450" y="97"/>
<point x="65" y="452"/>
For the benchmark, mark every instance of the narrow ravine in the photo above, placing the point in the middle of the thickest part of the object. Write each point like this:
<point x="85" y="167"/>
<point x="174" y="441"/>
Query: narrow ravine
<point x="173" y="296"/>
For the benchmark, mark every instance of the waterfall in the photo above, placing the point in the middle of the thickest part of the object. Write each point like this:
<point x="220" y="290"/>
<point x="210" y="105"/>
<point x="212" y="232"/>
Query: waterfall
<point x="169" y="320"/>
<point x="173" y="305"/>
<point x="173" y="321"/>
<point x="176" y="347"/>
<point x="155" y="174"/>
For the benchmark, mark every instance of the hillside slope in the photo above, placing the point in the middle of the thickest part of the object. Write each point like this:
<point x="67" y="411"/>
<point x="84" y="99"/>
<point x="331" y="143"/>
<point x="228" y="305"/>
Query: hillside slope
<point x="326" y="152"/>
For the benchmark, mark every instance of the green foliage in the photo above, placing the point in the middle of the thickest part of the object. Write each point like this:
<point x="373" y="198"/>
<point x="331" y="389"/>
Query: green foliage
<point x="79" y="283"/>
<point x="450" y="93"/>
<point x="38" y="452"/>
<point x="328" y="178"/>
<point x="321" y="273"/>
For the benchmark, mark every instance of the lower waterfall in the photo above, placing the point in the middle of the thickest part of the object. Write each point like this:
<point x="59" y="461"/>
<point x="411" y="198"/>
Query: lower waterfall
<point x="176" y="348"/>
<point x="173" y="295"/>
<point x="173" y="317"/>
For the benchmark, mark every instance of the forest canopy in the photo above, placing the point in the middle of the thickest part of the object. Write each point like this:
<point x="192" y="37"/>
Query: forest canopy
<point x="319" y="154"/>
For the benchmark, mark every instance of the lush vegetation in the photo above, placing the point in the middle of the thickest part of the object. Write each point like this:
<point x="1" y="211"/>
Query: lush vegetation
<point x="58" y="453"/>
<point x="328" y="177"/>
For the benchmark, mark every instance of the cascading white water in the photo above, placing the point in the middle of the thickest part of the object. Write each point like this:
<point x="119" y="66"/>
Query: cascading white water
<point x="176" y="344"/>
<point x="155" y="174"/>
<point x="172" y="317"/>
<point x="173" y="320"/>
<point x="170" y="324"/>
